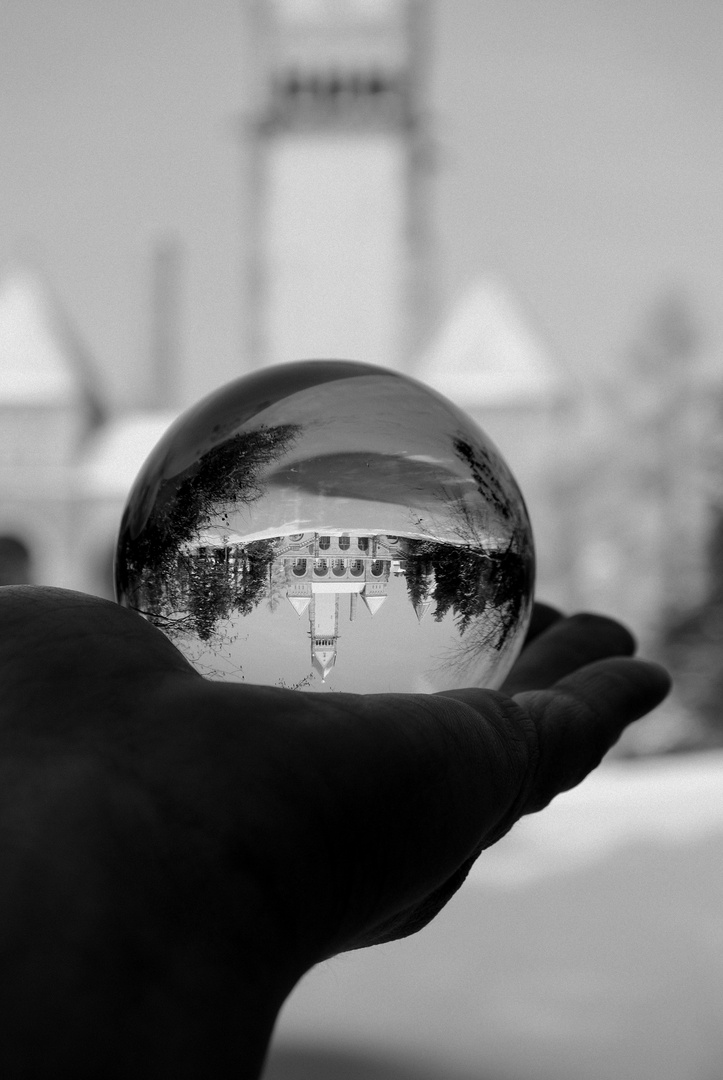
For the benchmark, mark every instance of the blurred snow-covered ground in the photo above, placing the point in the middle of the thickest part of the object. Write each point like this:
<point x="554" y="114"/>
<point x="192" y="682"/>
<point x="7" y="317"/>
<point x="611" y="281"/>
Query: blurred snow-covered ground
<point x="587" y="945"/>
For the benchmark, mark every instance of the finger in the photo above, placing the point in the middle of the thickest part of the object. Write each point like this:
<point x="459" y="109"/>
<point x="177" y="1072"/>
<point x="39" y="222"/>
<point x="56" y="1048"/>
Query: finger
<point x="582" y="716"/>
<point x="543" y="616"/>
<point x="565" y="646"/>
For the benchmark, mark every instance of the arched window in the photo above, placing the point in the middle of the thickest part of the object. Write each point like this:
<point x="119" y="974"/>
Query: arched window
<point x="363" y="543"/>
<point x="338" y="567"/>
<point x="377" y="567"/>
<point x="295" y="537"/>
<point x="324" y="543"/>
<point x="344" y="542"/>
<point x="299" y="567"/>
<point x="356" y="567"/>
<point x="392" y="539"/>
<point x="321" y="567"/>
<point x="15" y="562"/>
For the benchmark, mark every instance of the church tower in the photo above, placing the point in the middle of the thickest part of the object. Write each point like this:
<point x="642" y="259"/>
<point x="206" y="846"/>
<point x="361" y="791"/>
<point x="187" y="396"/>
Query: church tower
<point x="338" y="252"/>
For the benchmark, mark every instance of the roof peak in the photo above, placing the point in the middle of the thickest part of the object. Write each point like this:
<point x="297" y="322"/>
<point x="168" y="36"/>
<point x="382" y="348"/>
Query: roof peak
<point x="487" y="354"/>
<point x="42" y="360"/>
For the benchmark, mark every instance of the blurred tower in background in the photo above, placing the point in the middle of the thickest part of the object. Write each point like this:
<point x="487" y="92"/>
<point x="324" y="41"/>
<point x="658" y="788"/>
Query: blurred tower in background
<point x="337" y="259"/>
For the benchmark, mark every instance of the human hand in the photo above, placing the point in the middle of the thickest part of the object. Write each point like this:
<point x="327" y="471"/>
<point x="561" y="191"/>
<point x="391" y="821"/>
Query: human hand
<point x="176" y="853"/>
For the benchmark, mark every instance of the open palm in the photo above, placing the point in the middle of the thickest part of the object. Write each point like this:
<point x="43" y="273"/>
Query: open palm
<point x="177" y="852"/>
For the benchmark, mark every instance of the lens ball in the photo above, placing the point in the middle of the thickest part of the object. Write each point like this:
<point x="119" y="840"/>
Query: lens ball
<point x="331" y="526"/>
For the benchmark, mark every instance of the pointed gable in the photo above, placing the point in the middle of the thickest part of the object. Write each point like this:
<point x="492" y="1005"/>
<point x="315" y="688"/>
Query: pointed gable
<point x="421" y="607"/>
<point x="42" y="361"/>
<point x="299" y="603"/>
<point x="323" y="660"/>
<point x="487" y="355"/>
<point x="373" y="602"/>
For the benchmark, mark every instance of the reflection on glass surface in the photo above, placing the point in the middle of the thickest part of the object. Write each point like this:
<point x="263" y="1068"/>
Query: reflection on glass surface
<point x="332" y="526"/>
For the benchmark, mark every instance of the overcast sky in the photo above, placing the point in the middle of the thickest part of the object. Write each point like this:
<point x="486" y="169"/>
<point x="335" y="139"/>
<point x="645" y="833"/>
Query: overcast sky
<point x="579" y="155"/>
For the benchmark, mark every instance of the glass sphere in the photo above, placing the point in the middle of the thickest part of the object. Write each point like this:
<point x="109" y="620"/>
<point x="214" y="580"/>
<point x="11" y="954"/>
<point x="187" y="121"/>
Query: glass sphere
<point x="329" y="525"/>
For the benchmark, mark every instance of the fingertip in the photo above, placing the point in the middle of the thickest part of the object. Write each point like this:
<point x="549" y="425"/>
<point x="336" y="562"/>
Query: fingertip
<point x="659" y="680"/>
<point x="620" y="688"/>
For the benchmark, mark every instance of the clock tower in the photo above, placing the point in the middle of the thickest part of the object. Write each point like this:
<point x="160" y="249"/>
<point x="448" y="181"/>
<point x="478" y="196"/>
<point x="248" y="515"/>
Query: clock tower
<point x="338" y="253"/>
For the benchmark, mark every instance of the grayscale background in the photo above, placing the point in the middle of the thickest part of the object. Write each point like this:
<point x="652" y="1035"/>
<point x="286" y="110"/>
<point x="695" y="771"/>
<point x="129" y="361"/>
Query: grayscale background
<point x="520" y="204"/>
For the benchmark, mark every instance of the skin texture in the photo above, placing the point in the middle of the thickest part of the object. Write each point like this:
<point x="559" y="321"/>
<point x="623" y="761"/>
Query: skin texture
<point x="176" y="853"/>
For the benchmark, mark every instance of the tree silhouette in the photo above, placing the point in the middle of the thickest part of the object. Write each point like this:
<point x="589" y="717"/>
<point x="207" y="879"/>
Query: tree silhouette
<point x="487" y="476"/>
<point x="258" y="557"/>
<point x="210" y="596"/>
<point x="276" y="585"/>
<point x="417" y="573"/>
<point x="472" y="582"/>
<point x="182" y="588"/>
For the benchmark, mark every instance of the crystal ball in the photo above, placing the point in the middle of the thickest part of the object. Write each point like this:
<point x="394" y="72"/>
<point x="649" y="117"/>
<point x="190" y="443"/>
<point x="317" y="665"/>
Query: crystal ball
<point x="331" y="526"/>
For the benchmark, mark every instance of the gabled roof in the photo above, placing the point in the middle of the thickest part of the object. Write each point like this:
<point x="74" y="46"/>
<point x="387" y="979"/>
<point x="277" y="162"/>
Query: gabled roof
<point x="486" y="354"/>
<point x="421" y="607"/>
<point x="299" y="603"/>
<point x="373" y="602"/>
<point x="42" y="360"/>
<point x="323" y="660"/>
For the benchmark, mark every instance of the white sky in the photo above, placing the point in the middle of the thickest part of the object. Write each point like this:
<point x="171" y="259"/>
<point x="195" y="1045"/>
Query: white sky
<point x="578" y="150"/>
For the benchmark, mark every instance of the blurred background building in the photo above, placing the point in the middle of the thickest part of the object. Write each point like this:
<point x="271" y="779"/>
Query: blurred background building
<point x="517" y="204"/>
